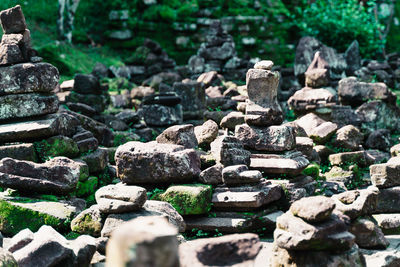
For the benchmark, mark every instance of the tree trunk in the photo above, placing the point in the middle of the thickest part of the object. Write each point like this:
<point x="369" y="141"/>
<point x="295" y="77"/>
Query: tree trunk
<point x="66" y="16"/>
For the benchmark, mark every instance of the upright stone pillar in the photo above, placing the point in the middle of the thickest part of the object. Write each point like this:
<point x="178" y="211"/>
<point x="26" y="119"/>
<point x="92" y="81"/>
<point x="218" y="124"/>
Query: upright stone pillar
<point x="263" y="108"/>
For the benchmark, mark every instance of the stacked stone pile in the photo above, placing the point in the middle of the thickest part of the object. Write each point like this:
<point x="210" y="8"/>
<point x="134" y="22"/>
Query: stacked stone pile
<point x="88" y="96"/>
<point x="273" y="146"/>
<point x="309" y="234"/>
<point x="218" y="53"/>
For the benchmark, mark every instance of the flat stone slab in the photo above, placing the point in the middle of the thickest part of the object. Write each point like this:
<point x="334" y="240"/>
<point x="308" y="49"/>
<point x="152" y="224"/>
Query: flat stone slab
<point x="292" y="164"/>
<point x="28" y="78"/>
<point x="42" y="128"/>
<point x="225" y="225"/>
<point x="27" y="105"/>
<point x="389" y="223"/>
<point x="245" y="197"/>
<point x="18" y="213"/>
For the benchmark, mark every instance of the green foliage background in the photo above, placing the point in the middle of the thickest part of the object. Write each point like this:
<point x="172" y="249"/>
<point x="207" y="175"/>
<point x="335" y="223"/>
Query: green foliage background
<point x="335" y="22"/>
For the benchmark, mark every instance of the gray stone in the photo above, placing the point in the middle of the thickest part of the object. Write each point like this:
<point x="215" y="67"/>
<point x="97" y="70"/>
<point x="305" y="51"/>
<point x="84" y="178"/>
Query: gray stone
<point x="387" y="174"/>
<point x="228" y="150"/>
<point x="388" y="199"/>
<point x="245" y="197"/>
<point x="96" y="160"/>
<point x="291" y="163"/>
<point x="263" y="108"/>
<point x="272" y="139"/>
<point x="179" y="135"/>
<point x="27" y="105"/>
<point x="139" y="163"/>
<point x="20" y="151"/>
<point x="309" y="99"/>
<point x="44" y="127"/>
<point x="368" y="234"/>
<point x="293" y="233"/>
<point x="12" y="20"/>
<point x="229" y="250"/>
<point x="291" y="258"/>
<point x="58" y="176"/>
<point x="120" y="198"/>
<point x="159" y="115"/>
<point x="207" y="132"/>
<point x="389" y="223"/>
<point x="232" y="119"/>
<point x="28" y="78"/>
<point x="354" y="93"/>
<point x="212" y="175"/>
<point x="89" y="222"/>
<point x="20" y="240"/>
<point x="313" y="209"/>
<point x="150" y="236"/>
<point x="7" y="259"/>
<point x="164" y="208"/>
<point x="239" y="174"/>
<point x="357" y="203"/>
<point x="349" y="137"/>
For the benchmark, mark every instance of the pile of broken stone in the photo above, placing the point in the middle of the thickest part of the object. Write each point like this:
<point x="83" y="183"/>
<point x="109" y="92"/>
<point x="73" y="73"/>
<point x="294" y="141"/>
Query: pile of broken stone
<point x="248" y="177"/>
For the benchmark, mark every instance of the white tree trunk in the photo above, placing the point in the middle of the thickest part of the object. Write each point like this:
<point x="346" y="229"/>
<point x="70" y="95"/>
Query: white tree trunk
<point x="66" y="13"/>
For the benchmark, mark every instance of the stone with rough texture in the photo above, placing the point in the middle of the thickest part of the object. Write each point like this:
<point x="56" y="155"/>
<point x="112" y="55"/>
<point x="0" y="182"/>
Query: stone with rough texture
<point x="88" y="222"/>
<point x="245" y="197"/>
<point x="13" y="20"/>
<point x="323" y="132"/>
<point x="388" y="199"/>
<point x="377" y="114"/>
<point x="357" y="157"/>
<point x="86" y="84"/>
<point x="232" y="119"/>
<point x="44" y="127"/>
<point x="349" y="137"/>
<point x="153" y="238"/>
<point x="389" y="223"/>
<point x="313" y="209"/>
<point x="96" y="160"/>
<point x="291" y="163"/>
<point x="28" y="78"/>
<point x="179" y="135"/>
<point x="354" y="93"/>
<point x="36" y="212"/>
<point x="285" y="258"/>
<point x="27" y="105"/>
<point x="58" y="176"/>
<point x="212" y="175"/>
<point x="228" y="150"/>
<point x="229" y="250"/>
<point x="164" y="208"/>
<point x="262" y="107"/>
<point x="387" y="174"/>
<point x="293" y="233"/>
<point x="309" y="99"/>
<point x="188" y="199"/>
<point x="273" y="138"/>
<point x="207" y="132"/>
<point x="144" y="163"/>
<point x="368" y="234"/>
<point x="193" y="98"/>
<point x="357" y="203"/>
<point x="120" y="198"/>
<point x="239" y="174"/>
<point x="317" y="74"/>
<point x="159" y="115"/>
<point x="19" y="151"/>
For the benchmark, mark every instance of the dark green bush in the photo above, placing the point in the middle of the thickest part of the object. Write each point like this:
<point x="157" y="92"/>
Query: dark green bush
<point x="338" y="22"/>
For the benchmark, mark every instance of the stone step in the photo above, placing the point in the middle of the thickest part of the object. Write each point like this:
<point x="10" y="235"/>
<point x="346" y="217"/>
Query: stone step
<point x="245" y="198"/>
<point x="292" y="164"/>
<point x="51" y="125"/>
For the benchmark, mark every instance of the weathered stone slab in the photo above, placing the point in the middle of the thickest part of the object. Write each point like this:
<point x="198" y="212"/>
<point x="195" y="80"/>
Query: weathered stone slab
<point x="139" y="163"/>
<point x="28" y="78"/>
<point x="27" y="105"/>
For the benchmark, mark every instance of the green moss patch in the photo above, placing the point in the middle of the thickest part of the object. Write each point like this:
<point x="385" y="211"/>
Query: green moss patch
<point x="56" y="146"/>
<point x="188" y="199"/>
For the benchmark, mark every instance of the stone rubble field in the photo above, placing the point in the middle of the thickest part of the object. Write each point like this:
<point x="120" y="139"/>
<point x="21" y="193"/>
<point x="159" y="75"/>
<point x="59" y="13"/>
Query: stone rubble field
<point x="295" y="167"/>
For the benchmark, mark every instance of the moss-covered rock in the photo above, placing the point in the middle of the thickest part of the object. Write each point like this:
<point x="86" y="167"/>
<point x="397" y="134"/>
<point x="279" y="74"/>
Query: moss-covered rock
<point x="17" y="213"/>
<point x="87" y="187"/>
<point x="188" y="199"/>
<point x="88" y="222"/>
<point x="56" y="146"/>
<point x="312" y="170"/>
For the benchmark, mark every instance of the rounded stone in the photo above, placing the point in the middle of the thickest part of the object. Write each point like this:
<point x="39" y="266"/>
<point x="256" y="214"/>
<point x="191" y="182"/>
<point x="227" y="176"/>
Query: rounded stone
<point x="313" y="209"/>
<point x="264" y="65"/>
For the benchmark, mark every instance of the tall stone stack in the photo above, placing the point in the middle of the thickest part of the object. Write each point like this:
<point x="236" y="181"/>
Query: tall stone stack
<point x="27" y="104"/>
<point x="309" y="234"/>
<point x="88" y="95"/>
<point x="273" y="146"/>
